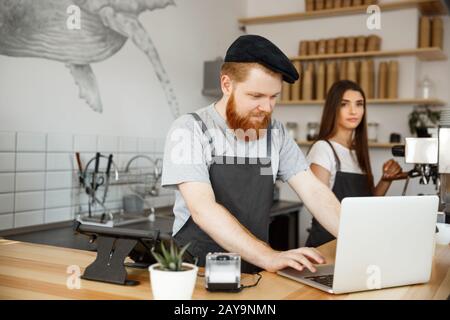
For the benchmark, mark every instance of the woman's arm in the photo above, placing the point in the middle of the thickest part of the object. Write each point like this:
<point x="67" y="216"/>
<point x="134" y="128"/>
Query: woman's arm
<point x="391" y="171"/>
<point x="382" y="188"/>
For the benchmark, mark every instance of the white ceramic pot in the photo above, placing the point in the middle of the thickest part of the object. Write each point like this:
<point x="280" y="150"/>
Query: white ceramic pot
<point x="173" y="285"/>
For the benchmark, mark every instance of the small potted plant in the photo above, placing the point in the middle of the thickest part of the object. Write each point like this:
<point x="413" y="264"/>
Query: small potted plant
<point x="170" y="277"/>
<point x="421" y="119"/>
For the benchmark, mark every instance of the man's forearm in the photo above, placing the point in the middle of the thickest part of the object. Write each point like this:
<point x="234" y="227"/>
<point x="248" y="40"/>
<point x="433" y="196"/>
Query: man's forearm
<point x="325" y="208"/>
<point x="318" y="198"/>
<point x="226" y="230"/>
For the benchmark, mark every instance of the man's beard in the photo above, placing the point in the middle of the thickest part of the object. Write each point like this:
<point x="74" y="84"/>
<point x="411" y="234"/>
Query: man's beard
<point x="252" y="130"/>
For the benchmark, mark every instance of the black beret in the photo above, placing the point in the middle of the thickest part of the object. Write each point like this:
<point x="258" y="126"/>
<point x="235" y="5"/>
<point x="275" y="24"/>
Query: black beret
<point x="253" y="48"/>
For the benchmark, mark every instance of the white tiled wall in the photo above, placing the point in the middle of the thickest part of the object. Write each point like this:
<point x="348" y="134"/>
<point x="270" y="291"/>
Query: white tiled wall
<point x="59" y="180"/>
<point x="6" y="220"/>
<point x="28" y="218"/>
<point x="6" y="203"/>
<point x="59" y="142"/>
<point x="25" y="201"/>
<point x="108" y="144"/>
<point x="59" y="214"/>
<point x="7" y="161"/>
<point x="7" y="141"/>
<point x="27" y="141"/>
<point x="60" y="161"/>
<point x="39" y="177"/>
<point x="30" y="181"/>
<point x="30" y="161"/>
<point x="7" y="182"/>
<point x="85" y="143"/>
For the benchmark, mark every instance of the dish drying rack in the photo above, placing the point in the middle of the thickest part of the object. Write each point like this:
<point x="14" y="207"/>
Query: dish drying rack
<point x="91" y="178"/>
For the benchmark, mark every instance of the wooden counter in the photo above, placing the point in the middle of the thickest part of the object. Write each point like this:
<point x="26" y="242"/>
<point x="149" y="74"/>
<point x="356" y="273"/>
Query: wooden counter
<point x="35" y="271"/>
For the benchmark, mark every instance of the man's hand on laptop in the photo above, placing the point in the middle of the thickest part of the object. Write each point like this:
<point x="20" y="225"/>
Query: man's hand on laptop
<point x="295" y="258"/>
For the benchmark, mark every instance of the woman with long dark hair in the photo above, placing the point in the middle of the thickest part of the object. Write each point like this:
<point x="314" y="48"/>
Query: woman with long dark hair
<point x="340" y="155"/>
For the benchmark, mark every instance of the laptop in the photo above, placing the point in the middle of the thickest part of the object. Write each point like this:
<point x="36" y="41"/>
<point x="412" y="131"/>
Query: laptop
<point x="382" y="242"/>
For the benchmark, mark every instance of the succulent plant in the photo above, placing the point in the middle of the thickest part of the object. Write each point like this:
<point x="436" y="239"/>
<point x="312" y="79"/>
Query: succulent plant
<point x="170" y="259"/>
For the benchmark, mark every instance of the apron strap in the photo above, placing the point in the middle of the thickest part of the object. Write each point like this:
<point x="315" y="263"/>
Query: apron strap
<point x="269" y="140"/>
<point x="204" y="130"/>
<point x="210" y="139"/>
<point x="338" y="162"/>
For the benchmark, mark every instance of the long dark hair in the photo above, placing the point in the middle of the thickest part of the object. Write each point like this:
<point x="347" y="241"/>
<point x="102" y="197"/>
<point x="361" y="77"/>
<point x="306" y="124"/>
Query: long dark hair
<point x="328" y="124"/>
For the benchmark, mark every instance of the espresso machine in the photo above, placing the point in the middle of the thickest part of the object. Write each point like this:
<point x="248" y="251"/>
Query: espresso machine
<point x="431" y="159"/>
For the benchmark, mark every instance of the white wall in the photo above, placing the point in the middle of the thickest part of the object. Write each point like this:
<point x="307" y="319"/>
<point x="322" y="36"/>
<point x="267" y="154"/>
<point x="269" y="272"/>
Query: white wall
<point x="40" y="95"/>
<point x="399" y="30"/>
<point x="39" y="105"/>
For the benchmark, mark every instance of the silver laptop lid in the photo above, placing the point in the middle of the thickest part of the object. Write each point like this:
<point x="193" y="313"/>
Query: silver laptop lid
<point x="384" y="242"/>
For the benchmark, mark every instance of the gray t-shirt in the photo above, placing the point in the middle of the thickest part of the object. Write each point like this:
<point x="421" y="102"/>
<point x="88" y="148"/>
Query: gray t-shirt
<point x="187" y="154"/>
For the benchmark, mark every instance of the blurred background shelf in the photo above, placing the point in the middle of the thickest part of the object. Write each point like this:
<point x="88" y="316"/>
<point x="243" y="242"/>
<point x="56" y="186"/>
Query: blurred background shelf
<point x="426" y="7"/>
<point x="424" y="54"/>
<point x="402" y="102"/>
<point x="380" y="145"/>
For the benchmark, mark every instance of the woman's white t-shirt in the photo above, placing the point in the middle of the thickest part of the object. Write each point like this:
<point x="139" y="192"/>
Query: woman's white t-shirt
<point x="322" y="155"/>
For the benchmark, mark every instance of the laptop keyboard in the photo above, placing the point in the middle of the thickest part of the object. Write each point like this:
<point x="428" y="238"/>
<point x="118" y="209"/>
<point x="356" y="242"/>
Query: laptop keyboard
<point x="326" y="280"/>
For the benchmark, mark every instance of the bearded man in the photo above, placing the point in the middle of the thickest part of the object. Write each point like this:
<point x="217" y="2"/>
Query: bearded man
<point x="223" y="161"/>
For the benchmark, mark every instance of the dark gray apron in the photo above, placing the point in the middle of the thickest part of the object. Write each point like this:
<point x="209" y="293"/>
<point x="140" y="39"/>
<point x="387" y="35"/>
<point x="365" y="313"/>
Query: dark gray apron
<point x="240" y="187"/>
<point x="346" y="184"/>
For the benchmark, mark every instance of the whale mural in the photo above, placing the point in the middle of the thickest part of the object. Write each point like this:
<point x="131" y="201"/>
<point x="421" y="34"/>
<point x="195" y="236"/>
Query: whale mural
<point x="38" y="28"/>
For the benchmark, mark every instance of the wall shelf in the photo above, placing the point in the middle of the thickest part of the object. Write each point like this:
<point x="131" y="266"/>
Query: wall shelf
<point x="427" y="7"/>
<point x="379" y="145"/>
<point x="405" y="102"/>
<point x="424" y="54"/>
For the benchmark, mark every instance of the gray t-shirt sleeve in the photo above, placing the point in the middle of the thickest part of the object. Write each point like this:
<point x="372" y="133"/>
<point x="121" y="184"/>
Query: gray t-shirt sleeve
<point x="292" y="159"/>
<point x="186" y="154"/>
